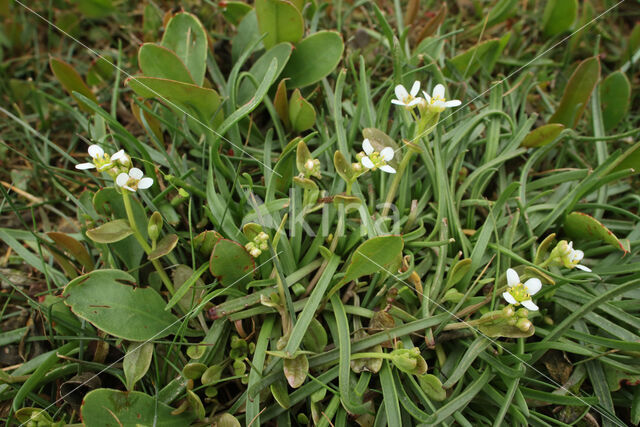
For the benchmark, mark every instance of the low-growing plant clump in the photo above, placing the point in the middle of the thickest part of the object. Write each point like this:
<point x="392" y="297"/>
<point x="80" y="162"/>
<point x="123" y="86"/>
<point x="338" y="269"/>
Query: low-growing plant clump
<point x="299" y="212"/>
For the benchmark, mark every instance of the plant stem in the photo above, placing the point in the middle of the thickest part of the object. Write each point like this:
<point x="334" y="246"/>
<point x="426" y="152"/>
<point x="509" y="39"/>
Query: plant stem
<point x="371" y="355"/>
<point x="143" y="242"/>
<point x="391" y="193"/>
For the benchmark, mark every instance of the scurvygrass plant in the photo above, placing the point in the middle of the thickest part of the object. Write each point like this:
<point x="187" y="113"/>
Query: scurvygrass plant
<point x="319" y="213"/>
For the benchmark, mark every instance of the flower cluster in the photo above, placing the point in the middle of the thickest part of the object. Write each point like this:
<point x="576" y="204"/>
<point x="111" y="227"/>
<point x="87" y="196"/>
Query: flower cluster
<point x="436" y="102"/>
<point x="564" y="255"/>
<point x="118" y="166"/>
<point x="312" y="168"/>
<point x="258" y="244"/>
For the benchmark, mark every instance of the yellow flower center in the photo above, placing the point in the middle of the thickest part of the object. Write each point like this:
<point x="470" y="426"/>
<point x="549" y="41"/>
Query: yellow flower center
<point x="377" y="160"/>
<point x="519" y="292"/>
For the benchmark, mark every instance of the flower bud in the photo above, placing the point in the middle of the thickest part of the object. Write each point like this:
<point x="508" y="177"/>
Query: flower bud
<point x="154" y="227"/>
<point x="508" y="311"/>
<point x="523" y="324"/>
<point x="409" y="361"/>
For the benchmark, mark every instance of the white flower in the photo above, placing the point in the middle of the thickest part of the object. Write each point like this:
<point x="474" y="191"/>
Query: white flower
<point x="521" y="294"/>
<point x="407" y="99"/>
<point x="437" y="102"/>
<point x="374" y="160"/>
<point x="134" y="180"/>
<point x="101" y="160"/>
<point x="571" y="257"/>
<point x="122" y="158"/>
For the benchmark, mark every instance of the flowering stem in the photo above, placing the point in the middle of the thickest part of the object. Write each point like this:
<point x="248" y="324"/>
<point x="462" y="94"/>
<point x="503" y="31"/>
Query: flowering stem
<point x="391" y="193"/>
<point x="371" y="355"/>
<point x="472" y="323"/>
<point x="143" y="242"/>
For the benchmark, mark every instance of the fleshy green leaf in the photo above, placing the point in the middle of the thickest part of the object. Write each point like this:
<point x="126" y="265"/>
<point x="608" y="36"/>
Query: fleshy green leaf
<point x="543" y="135"/>
<point x="136" y="362"/>
<point x="186" y="36"/>
<point x="164" y="246"/>
<point x="199" y="102"/>
<point x="314" y="58"/>
<point x="559" y="16"/>
<point x="295" y="370"/>
<point x="124" y="311"/>
<point x="231" y="263"/>
<point x="103" y="407"/>
<point x="582" y="226"/>
<point x="110" y="232"/>
<point x="374" y="255"/>
<point x="281" y="53"/>
<point x="302" y="115"/>
<point x="279" y="21"/>
<point x="432" y="386"/>
<point x="158" y="61"/>
<point x="577" y="93"/>
<point x="615" y="98"/>
<point x="71" y="81"/>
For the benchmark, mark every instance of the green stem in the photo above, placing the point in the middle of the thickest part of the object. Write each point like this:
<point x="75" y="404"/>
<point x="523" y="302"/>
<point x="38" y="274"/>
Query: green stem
<point x="391" y="193"/>
<point x="371" y="355"/>
<point x="143" y="242"/>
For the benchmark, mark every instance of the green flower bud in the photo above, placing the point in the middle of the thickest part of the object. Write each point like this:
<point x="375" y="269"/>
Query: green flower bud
<point x="409" y="361"/>
<point x="154" y="227"/>
<point x="524" y="324"/>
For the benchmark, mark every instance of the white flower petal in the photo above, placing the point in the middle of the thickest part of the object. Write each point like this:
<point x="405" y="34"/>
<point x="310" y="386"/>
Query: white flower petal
<point x="395" y="101"/>
<point x="533" y="286"/>
<point x="439" y="104"/>
<point x="453" y="103"/>
<point x="510" y="299"/>
<point x="583" y="268"/>
<point x="367" y="147"/>
<point x="401" y="93"/>
<point x="426" y="96"/>
<point x="105" y="166"/>
<point x="119" y="155"/>
<point x="387" y="153"/>
<point x="367" y="163"/>
<point x="577" y="256"/>
<point x="122" y="179"/>
<point x="84" y="166"/>
<point x="415" y="101"/>
<point x="96" y="151"/>
<point x="136" y="173"/>
<point x="438" y="91"/>
<point x="387" y="169"/>
<point x="512" y="277"/>
<point x="129" y="188"/>
<point x="145" y="182"/>
<point x="529" y="305"/>
<point x="415" y="88"/>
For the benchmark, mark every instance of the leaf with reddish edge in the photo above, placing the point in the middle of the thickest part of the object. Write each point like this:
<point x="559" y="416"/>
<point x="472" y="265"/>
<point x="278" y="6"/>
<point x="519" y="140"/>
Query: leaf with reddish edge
<point x="231" y="263"/>
<point x="583" y="226"/>
<point x="71" y="81"/>
<point x="577" y="93"/>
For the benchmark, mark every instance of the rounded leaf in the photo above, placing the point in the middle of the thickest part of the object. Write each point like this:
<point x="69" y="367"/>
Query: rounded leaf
<point x="314" y="58"/>
<point x="124" y="311"/>
<point x="104" y="406"/>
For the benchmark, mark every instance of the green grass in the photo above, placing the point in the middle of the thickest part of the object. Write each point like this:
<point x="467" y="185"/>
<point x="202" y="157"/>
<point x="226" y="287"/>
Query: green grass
<point x="335" y="277"/>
